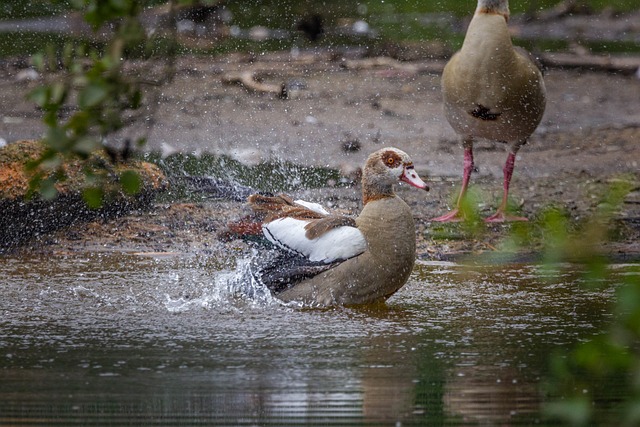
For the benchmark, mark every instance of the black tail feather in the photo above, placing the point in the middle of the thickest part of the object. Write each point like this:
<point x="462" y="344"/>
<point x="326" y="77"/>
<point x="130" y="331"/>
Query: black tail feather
<point x="280" y="271"/>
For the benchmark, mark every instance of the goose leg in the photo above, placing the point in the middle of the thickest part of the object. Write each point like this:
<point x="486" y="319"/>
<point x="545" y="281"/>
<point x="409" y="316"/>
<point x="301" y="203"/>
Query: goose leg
<point x="501" y="214"/>
<point x="457" y="214"/>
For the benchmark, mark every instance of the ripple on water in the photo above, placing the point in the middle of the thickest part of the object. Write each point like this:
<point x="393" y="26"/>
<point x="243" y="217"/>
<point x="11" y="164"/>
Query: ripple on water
<point x="186" y="338"/>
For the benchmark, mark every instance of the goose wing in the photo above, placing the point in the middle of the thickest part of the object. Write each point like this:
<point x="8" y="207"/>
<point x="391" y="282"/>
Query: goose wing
<point x="308" y="230"/>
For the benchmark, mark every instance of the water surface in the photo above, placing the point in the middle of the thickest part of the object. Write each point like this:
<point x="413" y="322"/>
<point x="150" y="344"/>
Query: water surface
<point x="113" y="339"/>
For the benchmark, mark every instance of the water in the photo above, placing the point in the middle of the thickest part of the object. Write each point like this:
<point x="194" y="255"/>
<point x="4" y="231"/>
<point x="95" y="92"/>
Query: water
<point x="112" y="339"/>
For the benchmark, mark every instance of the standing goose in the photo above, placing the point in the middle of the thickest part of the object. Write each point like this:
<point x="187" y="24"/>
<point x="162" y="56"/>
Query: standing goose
<point x="494" y="91"/>
<point x="327" y="259"/>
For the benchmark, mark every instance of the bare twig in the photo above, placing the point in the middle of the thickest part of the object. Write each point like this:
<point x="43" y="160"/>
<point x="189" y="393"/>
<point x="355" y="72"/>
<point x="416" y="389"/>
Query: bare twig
<point x="248" y="80"/>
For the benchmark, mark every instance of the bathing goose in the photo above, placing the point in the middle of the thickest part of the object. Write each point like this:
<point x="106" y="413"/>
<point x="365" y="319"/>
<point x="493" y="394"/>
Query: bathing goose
<point x="325" y="259"/>
<point x="494" y="91"/>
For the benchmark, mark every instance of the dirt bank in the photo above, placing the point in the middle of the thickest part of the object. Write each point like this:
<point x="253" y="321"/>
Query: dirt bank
<point x="589" y="138"/>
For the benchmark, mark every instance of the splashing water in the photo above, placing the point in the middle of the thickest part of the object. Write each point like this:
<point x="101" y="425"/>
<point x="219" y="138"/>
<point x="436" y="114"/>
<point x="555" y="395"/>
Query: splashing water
<point x="237" y="288"/>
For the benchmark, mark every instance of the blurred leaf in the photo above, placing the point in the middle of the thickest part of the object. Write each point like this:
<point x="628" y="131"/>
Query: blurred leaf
<point x="119" y="5"/>
<point x="57" y="139"/>
<point x="575" y="411"/>
<point x="130" y="182"/>
<point x="136" y="99"/>
<point x="67" y="55"/>
<point x="473" y="225"/>
<point x="47" y="188"/>
<point x="79" y="122"/>
<point x="58" y="93"/>
<point x="93" y="197"/>
<point x="86" y="145"/>
<point x="78" y="4"/>
<point x="40" y="96"/>
<point x="34" y="184"/>
<point x="92" y="95"/>
<point x="601" y="357"/>
<point x="51" y="117"/>
<point x="633" y="413"/>
<point x="37" y="60"/>
<point x="51" y="163"/>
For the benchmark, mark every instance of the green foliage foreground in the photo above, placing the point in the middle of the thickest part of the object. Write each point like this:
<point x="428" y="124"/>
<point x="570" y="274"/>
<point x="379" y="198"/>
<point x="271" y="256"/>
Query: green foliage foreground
<point x="598" y="382"/>
<point x="90" y="98"/>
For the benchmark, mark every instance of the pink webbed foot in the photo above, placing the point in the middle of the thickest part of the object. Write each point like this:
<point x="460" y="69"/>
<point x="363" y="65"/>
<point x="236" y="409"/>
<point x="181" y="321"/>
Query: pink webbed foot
<point x="454" y="216"/>
<point x="501" y="216"/>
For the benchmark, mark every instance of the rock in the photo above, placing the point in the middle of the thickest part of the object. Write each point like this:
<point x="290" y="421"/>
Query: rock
<point x="24" y="217"/>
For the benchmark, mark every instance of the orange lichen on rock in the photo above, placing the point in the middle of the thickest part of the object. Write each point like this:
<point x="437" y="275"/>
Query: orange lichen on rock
<point x="14" y="177"/>
<point x="14" y="181"/>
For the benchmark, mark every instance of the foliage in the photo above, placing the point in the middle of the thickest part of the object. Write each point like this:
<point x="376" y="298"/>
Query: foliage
<point x="91" y="83"/>
<point x="582" y="380"/>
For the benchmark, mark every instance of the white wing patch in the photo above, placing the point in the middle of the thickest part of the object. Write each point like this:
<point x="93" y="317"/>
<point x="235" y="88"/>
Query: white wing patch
<point x="338" y="244"/>
<point x="312" y="206"/>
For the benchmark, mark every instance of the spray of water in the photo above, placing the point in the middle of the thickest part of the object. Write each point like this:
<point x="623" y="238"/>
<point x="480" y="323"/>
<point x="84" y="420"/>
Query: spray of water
<point x="232" y="289"/>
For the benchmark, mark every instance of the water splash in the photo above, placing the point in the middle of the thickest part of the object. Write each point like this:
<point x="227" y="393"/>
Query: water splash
<point x="237" y="289"/>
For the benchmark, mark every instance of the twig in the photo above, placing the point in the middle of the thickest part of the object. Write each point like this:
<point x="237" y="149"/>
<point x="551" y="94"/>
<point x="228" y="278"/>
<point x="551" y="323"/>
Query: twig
<point x="247" y="79"/>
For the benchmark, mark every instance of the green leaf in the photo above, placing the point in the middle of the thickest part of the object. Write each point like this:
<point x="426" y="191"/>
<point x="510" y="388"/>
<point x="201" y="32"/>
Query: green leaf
<point x="118" y="5"/>
<point x="37" y="60"/>
<point x="85" y="146"/>
<point x="50" y="118"/>
<point x="131" y="182"/>
<point x="135" y="99"/>
<point x="40" y="96"/>
<point x="51" y="163"/>
<point x="57" y="139"/>
<point x="92" y="95"/>
<point x="93" y="197"/>
<point x="78" y="4"/>
<point x="79" y="123"/>
<point x="47" y="188"/>
<point x="67" y="55"/>
<point x="575" y="411"/>
<point x="58" y="93"/>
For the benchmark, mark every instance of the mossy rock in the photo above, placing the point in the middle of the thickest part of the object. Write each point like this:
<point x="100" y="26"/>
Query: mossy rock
<point x="24" y="217"/>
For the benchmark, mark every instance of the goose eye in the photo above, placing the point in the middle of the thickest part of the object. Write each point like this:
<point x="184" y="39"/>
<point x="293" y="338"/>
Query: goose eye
<point x="391" y="161"/>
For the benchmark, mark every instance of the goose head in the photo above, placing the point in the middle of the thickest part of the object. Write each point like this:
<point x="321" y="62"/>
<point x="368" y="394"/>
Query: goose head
<point x="386" y="167"/>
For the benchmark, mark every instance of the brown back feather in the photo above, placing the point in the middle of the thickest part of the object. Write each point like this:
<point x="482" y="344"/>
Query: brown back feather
<point x="281" y="206"/>
<point x="320" y="226"/>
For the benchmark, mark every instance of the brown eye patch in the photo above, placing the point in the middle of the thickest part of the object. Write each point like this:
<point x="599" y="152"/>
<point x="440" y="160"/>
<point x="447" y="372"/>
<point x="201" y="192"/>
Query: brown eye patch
<point x="391" y="159"/>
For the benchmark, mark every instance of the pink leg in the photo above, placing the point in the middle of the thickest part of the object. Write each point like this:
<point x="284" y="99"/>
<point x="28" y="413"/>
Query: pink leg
<point x="457" y="215"/>
<point x="501" y="215"/>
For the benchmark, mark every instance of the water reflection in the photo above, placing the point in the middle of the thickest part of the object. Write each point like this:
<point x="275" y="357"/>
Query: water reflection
<point x="116" y="339"/>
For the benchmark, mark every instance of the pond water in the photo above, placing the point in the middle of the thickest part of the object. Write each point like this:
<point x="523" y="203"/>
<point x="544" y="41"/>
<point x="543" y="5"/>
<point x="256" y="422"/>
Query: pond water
<point x="113" y="339"/>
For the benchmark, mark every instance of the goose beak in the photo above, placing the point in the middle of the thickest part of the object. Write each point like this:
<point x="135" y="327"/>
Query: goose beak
<point x="410" y="176"/>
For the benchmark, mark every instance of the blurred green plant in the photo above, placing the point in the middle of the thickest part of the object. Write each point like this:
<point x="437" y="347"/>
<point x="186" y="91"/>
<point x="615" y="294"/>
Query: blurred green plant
<point x="598" y="381"/>
<point x="91" y="97"/>
<point x="582" y="381"/>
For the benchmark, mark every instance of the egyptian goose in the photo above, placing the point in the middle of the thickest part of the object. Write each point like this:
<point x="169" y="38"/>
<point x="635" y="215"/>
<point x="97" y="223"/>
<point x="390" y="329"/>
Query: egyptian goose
<point x="494" y="91"/>
<point x="325" y="259"/>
